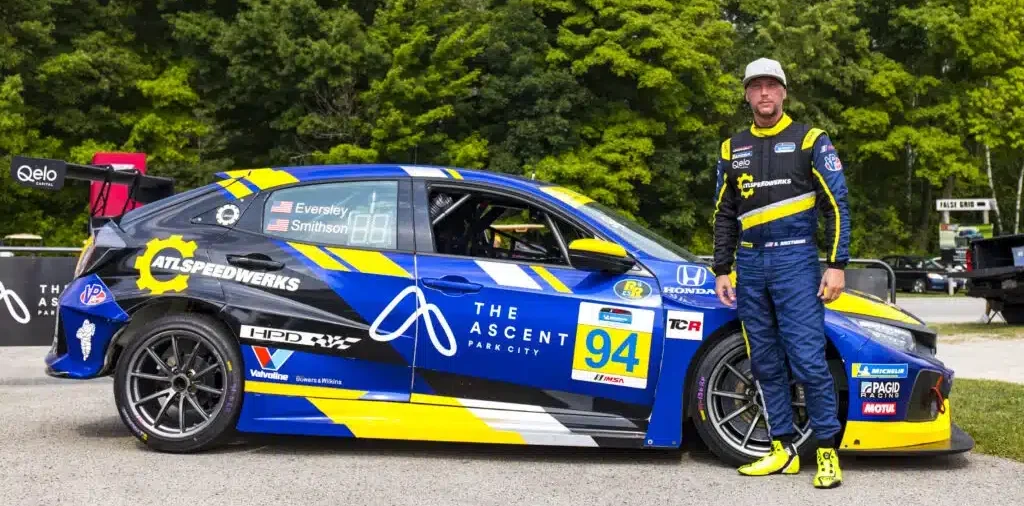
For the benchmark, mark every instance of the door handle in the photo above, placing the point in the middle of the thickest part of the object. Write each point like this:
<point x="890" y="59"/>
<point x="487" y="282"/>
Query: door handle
<point x="255" y="261"/>
<point x="452" y="284"/>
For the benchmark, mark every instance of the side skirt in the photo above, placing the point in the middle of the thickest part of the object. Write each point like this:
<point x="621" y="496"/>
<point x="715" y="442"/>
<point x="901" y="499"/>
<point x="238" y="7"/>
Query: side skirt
<point x="288" y="409"/>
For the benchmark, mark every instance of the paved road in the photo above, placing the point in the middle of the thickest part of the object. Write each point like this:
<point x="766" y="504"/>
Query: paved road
<point x="945" y="309"/>
<point x="985" y="359"/>
<point x="62" y="443"/>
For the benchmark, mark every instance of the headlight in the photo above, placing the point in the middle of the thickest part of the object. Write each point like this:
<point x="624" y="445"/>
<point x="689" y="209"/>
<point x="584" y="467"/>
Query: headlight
<point x="893" y="337"/>
<point x="936" y="276"/>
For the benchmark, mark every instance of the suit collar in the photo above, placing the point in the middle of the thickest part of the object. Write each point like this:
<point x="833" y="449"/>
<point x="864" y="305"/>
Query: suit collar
<point x="783" y="122"/>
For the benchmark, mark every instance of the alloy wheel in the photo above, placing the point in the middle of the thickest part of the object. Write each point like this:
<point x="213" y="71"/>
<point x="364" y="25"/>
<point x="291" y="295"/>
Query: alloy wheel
<point x="736" y="407"/>
<point x="175" y="384"/>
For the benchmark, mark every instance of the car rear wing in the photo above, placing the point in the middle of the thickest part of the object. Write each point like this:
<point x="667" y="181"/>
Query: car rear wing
<point x="48" y="174"/>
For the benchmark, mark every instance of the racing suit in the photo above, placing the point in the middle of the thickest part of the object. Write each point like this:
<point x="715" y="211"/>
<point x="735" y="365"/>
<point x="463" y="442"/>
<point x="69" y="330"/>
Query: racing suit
<point x="772" y="183"/>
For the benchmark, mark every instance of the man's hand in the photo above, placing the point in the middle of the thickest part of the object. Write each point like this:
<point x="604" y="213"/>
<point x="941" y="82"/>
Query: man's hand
<point x="832" y="284"/>
<point x="724" y="289"/>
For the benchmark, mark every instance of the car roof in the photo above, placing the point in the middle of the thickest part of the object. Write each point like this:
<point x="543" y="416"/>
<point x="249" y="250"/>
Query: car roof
<point x="307" y="173"/>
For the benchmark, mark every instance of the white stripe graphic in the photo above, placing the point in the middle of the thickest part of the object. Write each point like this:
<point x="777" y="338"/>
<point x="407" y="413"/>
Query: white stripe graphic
<point x="508" y="275"/>
<point x="477" y="403"/>
<point x="558" y="439"/>
<point x="424" y="172"/>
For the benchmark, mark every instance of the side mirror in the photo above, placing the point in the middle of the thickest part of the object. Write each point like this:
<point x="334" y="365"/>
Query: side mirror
<point x="598" y="255"/>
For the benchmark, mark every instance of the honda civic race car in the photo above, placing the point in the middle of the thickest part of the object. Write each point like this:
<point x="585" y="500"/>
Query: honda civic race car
<point x="400" y="302"/>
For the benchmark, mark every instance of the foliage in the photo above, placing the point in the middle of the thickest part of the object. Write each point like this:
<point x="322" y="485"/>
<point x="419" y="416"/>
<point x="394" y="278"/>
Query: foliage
<point x="625" y="100"/>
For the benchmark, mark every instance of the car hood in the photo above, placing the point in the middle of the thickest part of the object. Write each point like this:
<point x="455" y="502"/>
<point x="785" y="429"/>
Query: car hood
<point x="694" y="285"/>
<point x="855" y="302"/>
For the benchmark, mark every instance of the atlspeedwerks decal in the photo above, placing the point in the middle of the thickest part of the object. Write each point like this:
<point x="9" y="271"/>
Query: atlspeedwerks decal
<point x="181" y="261"/>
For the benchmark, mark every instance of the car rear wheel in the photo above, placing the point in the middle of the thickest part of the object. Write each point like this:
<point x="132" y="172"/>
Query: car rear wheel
<point x="178" y="384"/>
<point x="728" y="412"/>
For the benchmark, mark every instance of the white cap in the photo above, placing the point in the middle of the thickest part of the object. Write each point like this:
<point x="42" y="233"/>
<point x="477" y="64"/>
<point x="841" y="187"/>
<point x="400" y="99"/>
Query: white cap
<point x="764" y="67"/>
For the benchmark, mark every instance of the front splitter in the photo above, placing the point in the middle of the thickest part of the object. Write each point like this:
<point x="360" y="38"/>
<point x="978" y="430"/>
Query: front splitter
<point x="958" y="442"/>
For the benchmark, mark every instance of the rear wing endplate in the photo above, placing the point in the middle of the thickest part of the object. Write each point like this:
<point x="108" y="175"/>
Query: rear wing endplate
<point x="48" y="174"/>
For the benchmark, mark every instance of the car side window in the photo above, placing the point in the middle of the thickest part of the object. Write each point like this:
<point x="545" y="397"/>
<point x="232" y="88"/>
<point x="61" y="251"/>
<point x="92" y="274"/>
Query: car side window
<point x="351" y="213"/>
<point x="483" y="225"/>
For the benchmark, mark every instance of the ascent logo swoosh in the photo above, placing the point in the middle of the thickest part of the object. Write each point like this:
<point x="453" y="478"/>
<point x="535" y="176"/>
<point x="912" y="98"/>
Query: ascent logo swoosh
<point x="425" y="309"/>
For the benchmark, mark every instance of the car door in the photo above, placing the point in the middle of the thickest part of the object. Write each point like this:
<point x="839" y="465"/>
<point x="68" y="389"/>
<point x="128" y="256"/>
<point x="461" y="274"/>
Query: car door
<point x="513" y="322"/>
<point x="314" y="266"/>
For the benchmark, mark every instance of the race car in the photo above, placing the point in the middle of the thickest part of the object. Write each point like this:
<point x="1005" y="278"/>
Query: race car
<point x="445" y="304"/>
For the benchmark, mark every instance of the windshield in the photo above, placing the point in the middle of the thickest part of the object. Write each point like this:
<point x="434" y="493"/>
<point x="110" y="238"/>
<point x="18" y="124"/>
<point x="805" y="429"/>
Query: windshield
<point x="925" y="263"/>
<point x="648" y="241"/>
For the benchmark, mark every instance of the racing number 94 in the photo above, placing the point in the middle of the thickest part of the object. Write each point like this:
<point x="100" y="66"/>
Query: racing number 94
<point x="613" y="345"/>
<point x="599" y="344"/>
<point x="611" y="355"/>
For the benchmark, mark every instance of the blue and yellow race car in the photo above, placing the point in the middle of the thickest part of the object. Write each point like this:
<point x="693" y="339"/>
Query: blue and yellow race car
<point x="430" y="303"/>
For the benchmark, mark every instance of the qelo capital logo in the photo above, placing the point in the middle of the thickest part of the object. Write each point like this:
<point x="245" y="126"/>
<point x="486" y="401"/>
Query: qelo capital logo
<point x="739" y="164"/>
<point x="144" y="264"/>
<point x="691" y="275"/>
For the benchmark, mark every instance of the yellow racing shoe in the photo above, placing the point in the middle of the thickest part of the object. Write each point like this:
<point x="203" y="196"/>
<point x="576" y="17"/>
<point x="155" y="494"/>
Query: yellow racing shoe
<point x="829" y="475"/>
<point x="781" y="459"/>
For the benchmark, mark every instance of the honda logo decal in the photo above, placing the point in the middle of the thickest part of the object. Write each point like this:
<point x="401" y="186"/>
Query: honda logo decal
<point x="691" y="275"/>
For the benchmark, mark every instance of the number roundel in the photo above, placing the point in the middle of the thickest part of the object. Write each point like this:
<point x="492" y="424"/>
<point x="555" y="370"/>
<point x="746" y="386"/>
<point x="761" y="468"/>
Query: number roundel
<point x="613" y="345"/>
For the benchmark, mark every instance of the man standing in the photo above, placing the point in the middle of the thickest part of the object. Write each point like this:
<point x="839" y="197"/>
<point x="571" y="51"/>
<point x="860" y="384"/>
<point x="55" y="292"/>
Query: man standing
<point x="773" y="179"/>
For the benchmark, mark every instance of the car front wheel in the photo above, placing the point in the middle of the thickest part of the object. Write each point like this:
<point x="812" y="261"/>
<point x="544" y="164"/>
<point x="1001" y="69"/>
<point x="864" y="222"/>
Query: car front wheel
<point x="728" y="412"/>
<point x="178" y="384"/>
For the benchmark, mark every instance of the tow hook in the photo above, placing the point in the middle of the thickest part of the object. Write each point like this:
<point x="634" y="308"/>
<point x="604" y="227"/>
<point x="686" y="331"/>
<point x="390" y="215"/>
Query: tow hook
<point x="940" y="402"/>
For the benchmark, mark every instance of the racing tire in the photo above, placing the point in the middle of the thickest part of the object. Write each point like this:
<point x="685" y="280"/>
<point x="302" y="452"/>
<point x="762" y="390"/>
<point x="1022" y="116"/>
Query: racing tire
<point x="178" y="385"/>
<point x="727" y="411"/>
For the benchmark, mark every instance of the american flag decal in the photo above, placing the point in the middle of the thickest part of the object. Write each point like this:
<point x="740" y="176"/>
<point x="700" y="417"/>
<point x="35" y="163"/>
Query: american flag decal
<point x="285" y="206"/>
<point x="278" y="225"/>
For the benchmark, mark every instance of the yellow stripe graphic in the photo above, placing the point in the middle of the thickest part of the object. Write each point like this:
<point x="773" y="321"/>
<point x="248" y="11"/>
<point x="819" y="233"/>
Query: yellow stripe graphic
<point x="566" y="195"/>
<point x="775" y="213"/>
<point x="551" y="279"/>
<point x="746" y="340"/>
<point x="416" y="398"/>
<point x="400" y="420"/>
<point x="319" y="257"/>
<point x="455" y="174"/>
<point x="812" y="135"/>
<point x="370" y="262"/>
<point x="263" y="387"/>
<point x="235" y="187"/>
<point x="835" y="208"/>
<point x="269" y="178"/>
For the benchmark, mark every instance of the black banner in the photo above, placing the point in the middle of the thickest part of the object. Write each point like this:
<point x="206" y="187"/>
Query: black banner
<point x="29" y="289"/>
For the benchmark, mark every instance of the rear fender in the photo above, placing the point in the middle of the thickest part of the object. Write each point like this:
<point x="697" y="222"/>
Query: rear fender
<point x="148" y="310"/>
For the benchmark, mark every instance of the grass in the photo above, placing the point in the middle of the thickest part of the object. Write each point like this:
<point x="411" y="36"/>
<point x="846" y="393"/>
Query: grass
<point x="960" y="332"/>
<point x="992" y="412"/>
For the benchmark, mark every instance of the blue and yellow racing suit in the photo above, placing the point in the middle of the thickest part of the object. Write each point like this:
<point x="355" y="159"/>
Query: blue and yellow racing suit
<point x="772" y="184"/>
